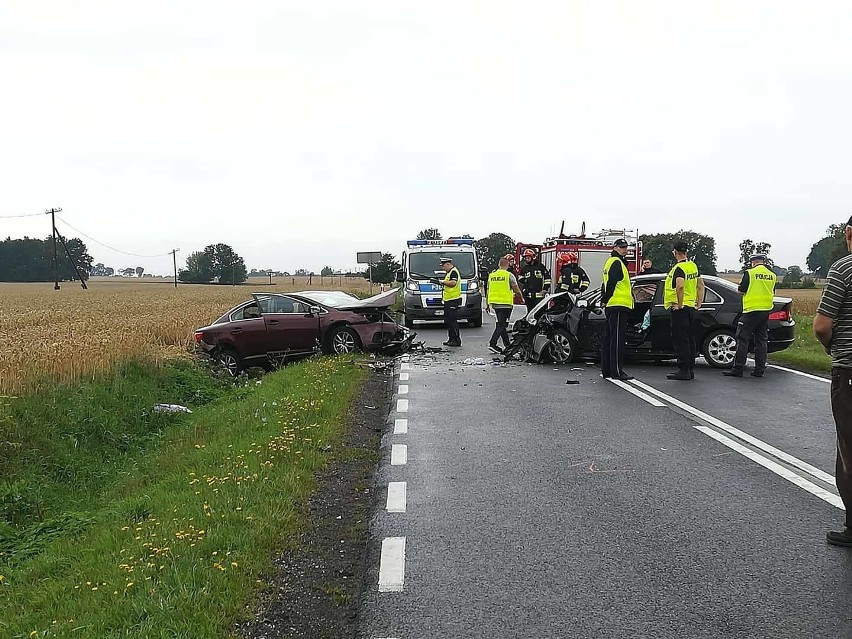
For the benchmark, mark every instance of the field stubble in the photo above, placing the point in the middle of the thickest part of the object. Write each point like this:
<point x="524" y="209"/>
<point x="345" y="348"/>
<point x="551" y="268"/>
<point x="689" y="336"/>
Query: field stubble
<point x="49" y="336"/>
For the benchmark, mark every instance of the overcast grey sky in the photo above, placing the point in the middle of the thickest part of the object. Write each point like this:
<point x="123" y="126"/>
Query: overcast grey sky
<point x="303" y="132"/>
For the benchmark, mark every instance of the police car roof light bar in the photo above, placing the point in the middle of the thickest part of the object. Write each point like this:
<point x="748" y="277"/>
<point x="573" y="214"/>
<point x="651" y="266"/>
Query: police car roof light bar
<point x="450" y="242"/>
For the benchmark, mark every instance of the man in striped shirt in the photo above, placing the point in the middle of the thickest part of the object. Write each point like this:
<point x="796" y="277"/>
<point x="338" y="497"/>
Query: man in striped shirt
<point x="833" y="328"/>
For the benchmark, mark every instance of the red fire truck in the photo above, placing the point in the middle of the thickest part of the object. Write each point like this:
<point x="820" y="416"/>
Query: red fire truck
<point x="591" y="251"/>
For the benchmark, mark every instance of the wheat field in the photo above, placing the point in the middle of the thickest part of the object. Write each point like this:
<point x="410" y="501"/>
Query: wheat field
<point x="48" y="336"/>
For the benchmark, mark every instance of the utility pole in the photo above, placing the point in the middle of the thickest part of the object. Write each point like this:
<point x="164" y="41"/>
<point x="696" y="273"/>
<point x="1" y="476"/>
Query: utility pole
<point x="174" y="260"/>
<point x="53" y="213"/>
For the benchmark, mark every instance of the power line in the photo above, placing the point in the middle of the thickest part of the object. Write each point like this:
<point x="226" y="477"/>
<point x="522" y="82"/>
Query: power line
<point x="9" y="217"/>
<point x="112" y="248"/>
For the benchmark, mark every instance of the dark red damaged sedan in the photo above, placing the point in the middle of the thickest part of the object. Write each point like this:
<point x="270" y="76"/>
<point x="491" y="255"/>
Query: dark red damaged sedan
<point x="274" y="327"/>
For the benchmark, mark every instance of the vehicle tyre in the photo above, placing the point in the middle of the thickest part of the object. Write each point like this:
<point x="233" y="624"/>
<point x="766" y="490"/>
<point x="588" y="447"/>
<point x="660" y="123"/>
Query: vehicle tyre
<point x="563" y="347"/>
<point x="343" y="341"/>
<point x="409" y="323"/>
<point x="476" y="322"/>
<point x="231" y="361"/>
<point x="719" y="348"/>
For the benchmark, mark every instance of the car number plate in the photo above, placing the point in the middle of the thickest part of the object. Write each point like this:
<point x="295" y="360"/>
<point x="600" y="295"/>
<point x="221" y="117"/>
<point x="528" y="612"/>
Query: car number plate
<point x="439" y="312"/>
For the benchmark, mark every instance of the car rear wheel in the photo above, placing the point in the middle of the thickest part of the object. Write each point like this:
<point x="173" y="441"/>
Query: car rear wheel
<point x="720" y="348"/>
<point x="343" y="341"/>
<point x="409" y="323"/>
<point x="563" y="347"/>
<point x="231" y="362"/>
<point x="476" y="322"/>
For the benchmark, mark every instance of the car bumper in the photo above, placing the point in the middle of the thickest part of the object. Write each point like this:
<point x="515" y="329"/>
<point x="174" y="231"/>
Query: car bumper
<point x="397" y="342"/>
<point x="414" y="309"/>
<point x="781" y="337"/>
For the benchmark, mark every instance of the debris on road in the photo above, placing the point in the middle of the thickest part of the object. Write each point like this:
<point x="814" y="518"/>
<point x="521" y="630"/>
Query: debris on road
<point x="573" y="381"/>
<point x="171" y="408"/>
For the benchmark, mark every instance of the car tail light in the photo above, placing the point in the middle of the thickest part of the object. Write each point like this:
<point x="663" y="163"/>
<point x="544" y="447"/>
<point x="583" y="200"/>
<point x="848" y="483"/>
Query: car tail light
<point x="199" y="336"/>
<point x="781" y="316"/>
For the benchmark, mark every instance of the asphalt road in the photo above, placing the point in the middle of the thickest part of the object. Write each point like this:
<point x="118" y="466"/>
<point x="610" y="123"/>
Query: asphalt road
<point x="535" y="508"/>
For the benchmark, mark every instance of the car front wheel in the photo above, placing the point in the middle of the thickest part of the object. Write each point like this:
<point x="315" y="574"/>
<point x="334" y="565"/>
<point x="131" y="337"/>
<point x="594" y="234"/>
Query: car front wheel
<point x="343" y="341"/>
<point x="563" y="347"/>
<point x="720" y="348"/>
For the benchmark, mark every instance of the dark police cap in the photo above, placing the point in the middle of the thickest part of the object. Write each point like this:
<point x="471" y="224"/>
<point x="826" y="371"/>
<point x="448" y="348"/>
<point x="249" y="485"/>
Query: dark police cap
<point x="621" y="243"/>
<point x="681" y="247"/>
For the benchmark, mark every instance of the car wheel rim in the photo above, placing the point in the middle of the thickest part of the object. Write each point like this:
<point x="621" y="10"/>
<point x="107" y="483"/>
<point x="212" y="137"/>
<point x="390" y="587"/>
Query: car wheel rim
<point x="229" y="361"/>
<point x="722" y="348"/>
<point x="561" y="350"/>
<point x="344" y="342"/>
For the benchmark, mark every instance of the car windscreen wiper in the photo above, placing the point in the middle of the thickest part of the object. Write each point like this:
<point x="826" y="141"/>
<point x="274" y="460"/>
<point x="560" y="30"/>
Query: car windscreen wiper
<point x="420" y="276"/>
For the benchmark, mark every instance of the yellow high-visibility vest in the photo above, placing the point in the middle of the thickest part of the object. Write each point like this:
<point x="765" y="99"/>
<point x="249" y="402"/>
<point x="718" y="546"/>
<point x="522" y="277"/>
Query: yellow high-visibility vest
<point x="690" y="285"/>
<point x="454" y="293"/>
<point x="500" y="288"/>
<point x="760" y="295"/>
<point x="623" y="294"/>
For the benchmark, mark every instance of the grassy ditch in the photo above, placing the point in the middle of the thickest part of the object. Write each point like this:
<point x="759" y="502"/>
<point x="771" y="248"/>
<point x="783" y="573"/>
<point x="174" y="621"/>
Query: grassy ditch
<point x="806" y="352"/>
<point x="120" y="522"/>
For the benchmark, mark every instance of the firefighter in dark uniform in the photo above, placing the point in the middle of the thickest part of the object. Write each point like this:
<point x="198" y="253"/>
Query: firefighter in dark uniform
<point x="758" y="291"/>
<point x="572" y="277"/>
<point x="534" y="279"/>
<point x="684" y="291"/>
<point x="617" y="302"/>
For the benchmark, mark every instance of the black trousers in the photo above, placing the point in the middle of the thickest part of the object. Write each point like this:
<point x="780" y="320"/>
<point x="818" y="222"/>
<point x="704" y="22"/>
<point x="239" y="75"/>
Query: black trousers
<point x="841" y="407"/>
<point x="531" y="301"/>
<point x="683" y="322"/>
<point x="755" y="323"/>
<point x="501" y="330"/>
<point x="615" y="336"/>
<point x="451" y="320"/>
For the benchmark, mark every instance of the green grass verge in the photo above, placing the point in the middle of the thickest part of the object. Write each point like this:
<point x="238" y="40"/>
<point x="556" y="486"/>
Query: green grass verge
<point x="806" y="352"/>
<point x="124" y="523"/>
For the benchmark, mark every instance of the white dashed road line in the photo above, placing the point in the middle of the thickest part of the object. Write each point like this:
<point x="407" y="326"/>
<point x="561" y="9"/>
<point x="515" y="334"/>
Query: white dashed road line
<point x="396" y="497"/>
<point x="399" y="455"/>
<point x="402" y="406"/>
<point x="405" y="367"/>
<point x="403" y="377"/>
<point x="403" y="389"/>
<point x="392" y="566"/>
<point x="400" y="427"/>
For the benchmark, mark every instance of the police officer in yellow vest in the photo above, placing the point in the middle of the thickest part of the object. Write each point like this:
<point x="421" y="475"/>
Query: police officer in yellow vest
<point x="617" y="302"/>
<point x="758" y="290"/>
<point x="502" y="288"/>
<point x="684" y="291"/>
<point x="452" y="297"/>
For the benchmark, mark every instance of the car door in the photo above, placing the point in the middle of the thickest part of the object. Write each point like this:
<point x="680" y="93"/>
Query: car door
<point x="245" y="331"/>
<point x="290" y="326"/>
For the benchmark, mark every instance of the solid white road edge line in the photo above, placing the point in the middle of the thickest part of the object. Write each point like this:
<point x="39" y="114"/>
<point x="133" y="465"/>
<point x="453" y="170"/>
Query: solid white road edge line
<point x="403" y="377"/>
<point x="396" y="497"/>
<point x="800" y="373"/>
<point x="403" y="389"/>
<point x="392" y="565"/>
<point x="402" y="406"/>
<point x="400" y="427"/>
<point x="638" y="393"/>
<point x="736" y="432"/>
<point x="399" y="455"/>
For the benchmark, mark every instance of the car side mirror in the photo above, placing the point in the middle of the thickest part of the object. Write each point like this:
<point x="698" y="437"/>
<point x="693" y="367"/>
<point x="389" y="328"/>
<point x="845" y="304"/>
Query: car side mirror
<point x="400" y="276"/>
<point x="582" y="303"/>
<point x="315" y="310"/>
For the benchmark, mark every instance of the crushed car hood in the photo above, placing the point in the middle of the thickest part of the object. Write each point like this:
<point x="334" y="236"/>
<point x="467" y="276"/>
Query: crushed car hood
<point x="382" y="300"/>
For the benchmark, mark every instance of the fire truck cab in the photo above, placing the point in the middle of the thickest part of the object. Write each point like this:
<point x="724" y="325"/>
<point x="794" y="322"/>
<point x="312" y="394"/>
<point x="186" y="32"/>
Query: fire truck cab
<point x="591" y="252"/>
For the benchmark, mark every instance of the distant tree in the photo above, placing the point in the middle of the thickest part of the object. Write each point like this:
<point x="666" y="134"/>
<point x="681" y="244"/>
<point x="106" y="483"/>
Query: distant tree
<point x="491" y="248"/>
<point x="128" y="272"/>
<point x="199" y="268"/>
<point x="326" y="271"/>
<point x="109" y="271"/>
<point x="384" y="271"/>
<point x="430" y="234"/>
<point x="302" y="272"/>
<point x="828" y="250"/>
<point x="702" y="249"/>
<point x="139" y="271"/>
<point x="749" y="248"/>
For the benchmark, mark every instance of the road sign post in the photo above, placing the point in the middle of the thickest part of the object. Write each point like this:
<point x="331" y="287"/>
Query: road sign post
<point x="369" y="258"/>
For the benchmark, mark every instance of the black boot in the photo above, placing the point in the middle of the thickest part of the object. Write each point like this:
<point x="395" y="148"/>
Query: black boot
<point x="840" y="538"/>
<point x="734" y="372"/>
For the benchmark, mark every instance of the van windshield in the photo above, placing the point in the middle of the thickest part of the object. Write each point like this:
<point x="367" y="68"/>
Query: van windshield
<point x="429" y="265"/>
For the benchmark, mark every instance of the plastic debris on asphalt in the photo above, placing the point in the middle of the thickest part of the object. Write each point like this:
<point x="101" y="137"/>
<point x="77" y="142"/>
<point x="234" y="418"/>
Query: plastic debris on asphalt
<point x="171" y="408"/>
